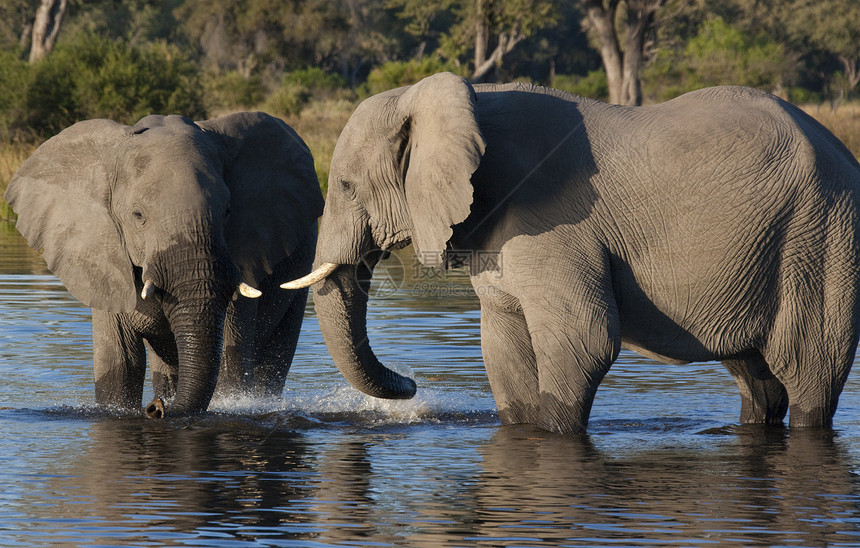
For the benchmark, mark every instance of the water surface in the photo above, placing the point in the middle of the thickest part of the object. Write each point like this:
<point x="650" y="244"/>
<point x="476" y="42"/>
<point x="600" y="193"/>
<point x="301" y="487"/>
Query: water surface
<point x="665" y="462"/>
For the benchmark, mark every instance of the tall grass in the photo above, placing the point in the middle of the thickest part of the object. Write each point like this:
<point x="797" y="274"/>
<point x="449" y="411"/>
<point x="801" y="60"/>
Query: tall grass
<point x="320" y="122"/>
<point x="12" y="155"/>
<point x="844" y="122"/>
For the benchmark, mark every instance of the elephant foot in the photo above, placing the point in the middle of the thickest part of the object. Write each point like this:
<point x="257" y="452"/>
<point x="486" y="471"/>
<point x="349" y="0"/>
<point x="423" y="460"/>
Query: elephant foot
<point x="155" y="410"/>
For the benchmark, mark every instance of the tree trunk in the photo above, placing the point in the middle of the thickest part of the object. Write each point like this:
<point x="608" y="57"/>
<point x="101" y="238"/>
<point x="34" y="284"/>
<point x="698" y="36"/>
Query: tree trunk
<point x="506" y="44"/>
<point x="622" y="67"/>
<point x="482" y="37"/>
<point x="603" y="20"/>
<point x="640" y="15"/>
<point x="852" y="70"/>
<point x="46" y="27"/>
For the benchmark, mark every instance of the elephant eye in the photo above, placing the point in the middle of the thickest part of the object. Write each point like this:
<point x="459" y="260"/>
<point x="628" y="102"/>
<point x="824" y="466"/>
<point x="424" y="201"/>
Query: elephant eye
<point x="138" y="217"/>
<point x="348" y="188"/>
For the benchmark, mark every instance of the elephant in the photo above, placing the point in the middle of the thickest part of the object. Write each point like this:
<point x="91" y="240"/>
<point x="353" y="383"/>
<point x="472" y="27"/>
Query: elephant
<point x="168" y="230"/>
<point x="720" y="225"/>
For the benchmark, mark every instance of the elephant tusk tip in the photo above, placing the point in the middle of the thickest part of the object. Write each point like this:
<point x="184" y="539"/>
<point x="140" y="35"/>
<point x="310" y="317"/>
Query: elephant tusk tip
<point x="248" y="291"/>
<point x="321" y="273"/>
<point x="148" y="290"/>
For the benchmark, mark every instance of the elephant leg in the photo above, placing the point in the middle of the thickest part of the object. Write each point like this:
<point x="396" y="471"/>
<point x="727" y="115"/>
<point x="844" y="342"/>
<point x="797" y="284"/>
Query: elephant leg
<point x="812" y="348"/>
<point x="163" y="361"/>
<point x="276" y="347"/>
<point x="510" y="363"/>
<point x="764" y="399"/>
<point x="119" y="361"/>
<point x="813" y="379"/>
<point x="236" y="374"/>
<point x="575" y="345"/>
<point x="164" y="373"/>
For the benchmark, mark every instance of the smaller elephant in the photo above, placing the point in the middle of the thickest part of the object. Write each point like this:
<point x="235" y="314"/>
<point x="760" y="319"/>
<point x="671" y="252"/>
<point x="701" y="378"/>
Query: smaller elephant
<point x="168" y="230"/>
<point x="721" y="225"/>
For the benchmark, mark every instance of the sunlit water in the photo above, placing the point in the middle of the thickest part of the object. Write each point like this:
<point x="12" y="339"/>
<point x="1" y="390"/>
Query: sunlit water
<point x="664" y="463"/>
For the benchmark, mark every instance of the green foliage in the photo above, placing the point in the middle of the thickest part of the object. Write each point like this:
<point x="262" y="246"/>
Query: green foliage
<point x="14" y="82"/>
<point x="316" y="79"/>
<point x="231" y="91"/>
<point x="288" y="99"/>
<point x="719" y="54"/>
<point x="592" y="85"/>
<point x="401" y="73"/>
<point x="722" y="54"/>
<point x="461" y="18"/>
<point x="299" y="87"/>
<point x="94" y="77"/>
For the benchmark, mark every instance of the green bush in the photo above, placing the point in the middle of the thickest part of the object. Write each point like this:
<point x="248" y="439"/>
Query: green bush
<point x="232" y="91"/>
<point x="315" y="79"/>
<point x="95" y="77"/>
<point x="592" y="85"/>
<point x="299" y="87"/>
<point x="719" y="54"/>
<point x="402" y="73"/>
<point x="14" y="83"/>
<point x="288" y="99"/>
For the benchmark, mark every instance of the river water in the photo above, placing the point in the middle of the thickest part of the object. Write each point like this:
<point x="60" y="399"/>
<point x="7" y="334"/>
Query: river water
<point x="665" y="462"/>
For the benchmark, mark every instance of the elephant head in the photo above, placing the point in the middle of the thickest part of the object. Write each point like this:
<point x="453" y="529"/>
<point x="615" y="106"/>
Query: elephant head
<point x="400" y="173"/>
<point x="172" y="214"/>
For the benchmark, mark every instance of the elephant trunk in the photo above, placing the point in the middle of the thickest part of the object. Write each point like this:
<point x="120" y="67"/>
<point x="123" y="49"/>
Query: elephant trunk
<point x="341" y="306"/>
<point x="196" y="306"/>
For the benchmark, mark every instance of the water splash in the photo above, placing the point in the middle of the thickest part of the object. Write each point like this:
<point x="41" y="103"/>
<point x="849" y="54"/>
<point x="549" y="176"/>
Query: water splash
<point x="340" y="404"/>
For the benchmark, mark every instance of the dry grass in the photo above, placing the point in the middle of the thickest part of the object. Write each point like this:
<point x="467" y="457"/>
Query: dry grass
<point x="321" y="122"/>
<point x="12" y="155"/>
<point x="844" y="122"/>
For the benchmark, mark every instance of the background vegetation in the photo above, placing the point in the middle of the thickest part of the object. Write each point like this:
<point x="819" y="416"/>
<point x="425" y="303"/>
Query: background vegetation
<point x="310" y="61"/>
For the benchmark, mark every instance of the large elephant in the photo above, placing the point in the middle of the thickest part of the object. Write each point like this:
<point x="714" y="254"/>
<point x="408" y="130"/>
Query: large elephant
<point x="721" y="225"/>
<point x="155" y="227"/>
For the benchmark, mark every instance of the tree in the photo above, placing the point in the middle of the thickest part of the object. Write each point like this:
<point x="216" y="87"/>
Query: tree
<point x="620" y="34"/>
<point x="832" y="26"/>
<point x="487" y="29"/>
<point x="46" y="27"/>
<point x="267" y="37"/>
<point x="511" y="22"/>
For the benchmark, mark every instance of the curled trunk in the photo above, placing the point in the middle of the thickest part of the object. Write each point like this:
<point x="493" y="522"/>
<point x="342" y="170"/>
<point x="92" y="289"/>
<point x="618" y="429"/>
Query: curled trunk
<point x="341" y="306"/>
<point x="196" y="307"/>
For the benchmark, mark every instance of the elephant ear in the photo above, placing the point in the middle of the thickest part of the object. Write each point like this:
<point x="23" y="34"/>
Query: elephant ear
<point x="275" y="197"/>
<point x="444" y="149"/>
<point x="62" y="197"/>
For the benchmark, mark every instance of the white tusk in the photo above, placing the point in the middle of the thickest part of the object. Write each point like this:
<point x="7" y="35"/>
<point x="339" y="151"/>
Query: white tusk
<point x="148" y="290"/>
<point x="249" y="291"/>
<point x="321" y="273"/>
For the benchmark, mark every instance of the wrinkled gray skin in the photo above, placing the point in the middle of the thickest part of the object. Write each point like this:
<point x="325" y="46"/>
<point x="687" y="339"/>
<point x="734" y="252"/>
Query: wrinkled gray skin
<point x="721" y="225"/>
<point x="195" y="209"/>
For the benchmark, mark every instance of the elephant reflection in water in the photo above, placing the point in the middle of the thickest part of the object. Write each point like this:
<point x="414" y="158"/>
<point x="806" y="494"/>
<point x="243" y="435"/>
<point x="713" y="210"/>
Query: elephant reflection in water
<point x="244" y="478"/>
<point x="761" y="480"/>
<point x="184" y="480"/>
<point x="249" y="476"/>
